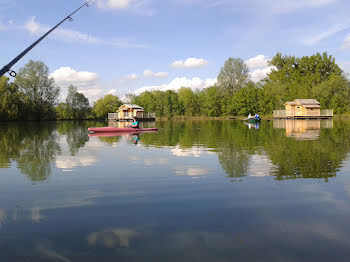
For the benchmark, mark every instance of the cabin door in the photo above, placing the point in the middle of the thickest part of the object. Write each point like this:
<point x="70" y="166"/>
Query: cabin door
<point x="299" y="111"/>
<point x="292" y="111"/>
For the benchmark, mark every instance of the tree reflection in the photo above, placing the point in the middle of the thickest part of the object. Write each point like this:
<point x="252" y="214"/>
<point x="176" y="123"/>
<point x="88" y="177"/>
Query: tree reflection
<point x="76" y="134"/>
<point x="33" y="146"/>
<point x="321" y="158"/>
<point x="234" y="144"/>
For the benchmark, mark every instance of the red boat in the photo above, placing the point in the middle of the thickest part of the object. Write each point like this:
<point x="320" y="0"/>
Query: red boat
<point x="111" y="134"/>
<point x="116" y="129"/>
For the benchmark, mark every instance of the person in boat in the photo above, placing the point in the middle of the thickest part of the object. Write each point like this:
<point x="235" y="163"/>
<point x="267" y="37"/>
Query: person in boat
<point x="257" y="116"/>
<point x="135" y="123"/>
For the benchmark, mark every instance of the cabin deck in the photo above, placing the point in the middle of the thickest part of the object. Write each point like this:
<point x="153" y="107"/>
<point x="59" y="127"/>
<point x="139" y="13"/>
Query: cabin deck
<point x="324" y="114"/>
<point x="146" y="117"/>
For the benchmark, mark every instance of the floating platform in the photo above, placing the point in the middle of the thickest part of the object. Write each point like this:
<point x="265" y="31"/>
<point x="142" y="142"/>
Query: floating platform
<point x="302" y="117"/>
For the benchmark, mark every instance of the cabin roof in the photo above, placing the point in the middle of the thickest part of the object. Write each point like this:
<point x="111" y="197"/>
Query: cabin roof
<point x="132" y="106"/>
<point x="292" y="103"/>
<point x="309" y="103"/>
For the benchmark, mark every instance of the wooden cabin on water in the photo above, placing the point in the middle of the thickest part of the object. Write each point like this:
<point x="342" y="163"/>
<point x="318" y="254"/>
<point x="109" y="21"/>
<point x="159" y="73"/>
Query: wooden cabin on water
<point x="127" y="111"/>
<point x="303" y="109"/>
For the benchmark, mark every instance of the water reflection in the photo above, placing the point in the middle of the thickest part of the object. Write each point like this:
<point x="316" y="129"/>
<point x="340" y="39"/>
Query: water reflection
<point x="33" y="147"/>
<point x="318" y="149"/>
<point x="303" y="129"/>
<point x="113" y="238"/>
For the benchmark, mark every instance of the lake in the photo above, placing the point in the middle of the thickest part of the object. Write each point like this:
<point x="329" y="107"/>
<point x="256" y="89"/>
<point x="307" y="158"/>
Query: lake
<point x="193" y="191"/>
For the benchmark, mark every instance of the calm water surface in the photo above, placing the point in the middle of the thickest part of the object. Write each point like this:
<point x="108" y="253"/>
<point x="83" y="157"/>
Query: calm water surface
<point x="194" y="191"/>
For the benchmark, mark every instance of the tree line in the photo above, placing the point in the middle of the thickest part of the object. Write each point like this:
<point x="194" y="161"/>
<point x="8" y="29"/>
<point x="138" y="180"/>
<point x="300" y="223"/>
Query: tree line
<point x="235" y="94"/>
<point x="33" y="95"/>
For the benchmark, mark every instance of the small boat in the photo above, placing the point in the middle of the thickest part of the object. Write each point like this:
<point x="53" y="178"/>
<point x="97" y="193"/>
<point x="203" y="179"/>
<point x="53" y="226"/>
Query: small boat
<point x="111" y="134"/>
<point x="116" y="129"/>
<point x="253" y="119"/>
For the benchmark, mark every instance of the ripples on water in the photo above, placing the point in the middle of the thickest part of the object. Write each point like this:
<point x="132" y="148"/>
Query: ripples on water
<point x="193" y="191"/>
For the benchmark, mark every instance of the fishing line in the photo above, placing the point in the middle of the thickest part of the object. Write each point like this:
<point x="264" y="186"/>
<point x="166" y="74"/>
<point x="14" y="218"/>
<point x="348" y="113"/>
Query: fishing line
<point x="7" y="68"/>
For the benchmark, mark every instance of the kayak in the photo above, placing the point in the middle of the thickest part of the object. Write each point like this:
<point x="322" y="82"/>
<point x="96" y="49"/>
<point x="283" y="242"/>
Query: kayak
<point x="116" y="129"/>
<point x="111" y="134"/>
<point x="253" y="120"/>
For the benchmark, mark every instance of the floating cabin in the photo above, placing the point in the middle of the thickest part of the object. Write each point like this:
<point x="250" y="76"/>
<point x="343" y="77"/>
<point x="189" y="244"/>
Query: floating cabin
<point x="127" y="111"/>
<point x="303" y="109"/>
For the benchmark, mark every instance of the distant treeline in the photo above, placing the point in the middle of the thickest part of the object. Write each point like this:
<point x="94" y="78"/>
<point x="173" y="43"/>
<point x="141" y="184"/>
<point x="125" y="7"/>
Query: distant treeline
<point x="33" y="95"/>
<point x="316" y="76"/>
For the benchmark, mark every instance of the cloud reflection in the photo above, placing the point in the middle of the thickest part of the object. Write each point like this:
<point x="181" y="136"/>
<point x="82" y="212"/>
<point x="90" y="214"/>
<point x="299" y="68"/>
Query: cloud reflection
<point x="112" y="238"/>
<point x="190" y="152"/>
<point x="191" y="170"/>
<point x="260" y="166"/>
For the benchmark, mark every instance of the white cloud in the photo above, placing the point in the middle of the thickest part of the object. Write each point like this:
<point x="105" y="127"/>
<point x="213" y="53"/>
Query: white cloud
<point x="113" y="92"/>
<point x="114" y="4"/>
<point x="190" y="63"/>
<point x="136" y="6"/>
<point x="68" y="35"/>
<point x="66" y="76"/>
<point x="87" y="83"/>
<point x="285" y="6"/>
<point x="315" y="39"/>
<point x="257" y="62"/>
<point x="177" y="83"/>
<point x="267" y="6"/>
<point x="260" y="74"/>
<point x="93" y="93"/>
<point x="346" y="43"/>
<point x="132" y="77"/>
<point x="149" y="74"/>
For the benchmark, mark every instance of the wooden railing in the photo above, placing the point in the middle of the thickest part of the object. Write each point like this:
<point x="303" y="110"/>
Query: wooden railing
<point x="114" y="116"/>
<point x="327" y="112"/>
<point x="282" y="114"/>
<point x="279" y="113"/>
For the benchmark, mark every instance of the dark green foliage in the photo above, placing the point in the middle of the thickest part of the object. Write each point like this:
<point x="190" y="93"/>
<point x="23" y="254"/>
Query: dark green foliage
<point x="77" y="104"/>
<point x="40" y="93"/>
<point x="105" y="105"/>
<point x="11" y="105"/>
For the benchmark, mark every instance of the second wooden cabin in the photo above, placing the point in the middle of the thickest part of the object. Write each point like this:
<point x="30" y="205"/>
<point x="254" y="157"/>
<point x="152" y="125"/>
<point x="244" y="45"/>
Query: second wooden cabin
<point x="303" y="108"/>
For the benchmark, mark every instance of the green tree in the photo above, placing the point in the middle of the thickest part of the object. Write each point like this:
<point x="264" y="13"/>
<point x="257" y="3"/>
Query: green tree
<point x="77" y="103"/>
<point x="105" y="105"/>
<point x="211" y="103"/>
<point x="10" y="100"/>
<point x="251" y="99"/>
<point x="334" y="93"/>
<point x="172" y="105"/>
<point x="295" y="77"/>
<point x="39" y="90"/>
<point x="189" y="100"/>
<point x="233" y="75"/>
<point x="62" y="111"/>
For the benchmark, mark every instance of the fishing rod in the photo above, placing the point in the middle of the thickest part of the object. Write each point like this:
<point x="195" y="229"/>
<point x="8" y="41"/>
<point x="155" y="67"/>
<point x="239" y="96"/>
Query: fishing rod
<point x="7" y="68"/>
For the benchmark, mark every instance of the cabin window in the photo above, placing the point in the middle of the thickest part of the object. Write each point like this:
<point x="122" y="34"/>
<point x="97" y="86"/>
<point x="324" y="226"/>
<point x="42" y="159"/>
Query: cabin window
<point x="126" y="114"/>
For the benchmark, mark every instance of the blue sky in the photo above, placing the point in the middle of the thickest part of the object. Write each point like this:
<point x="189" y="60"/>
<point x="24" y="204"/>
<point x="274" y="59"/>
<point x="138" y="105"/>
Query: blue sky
<point x="126" y="46"/>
